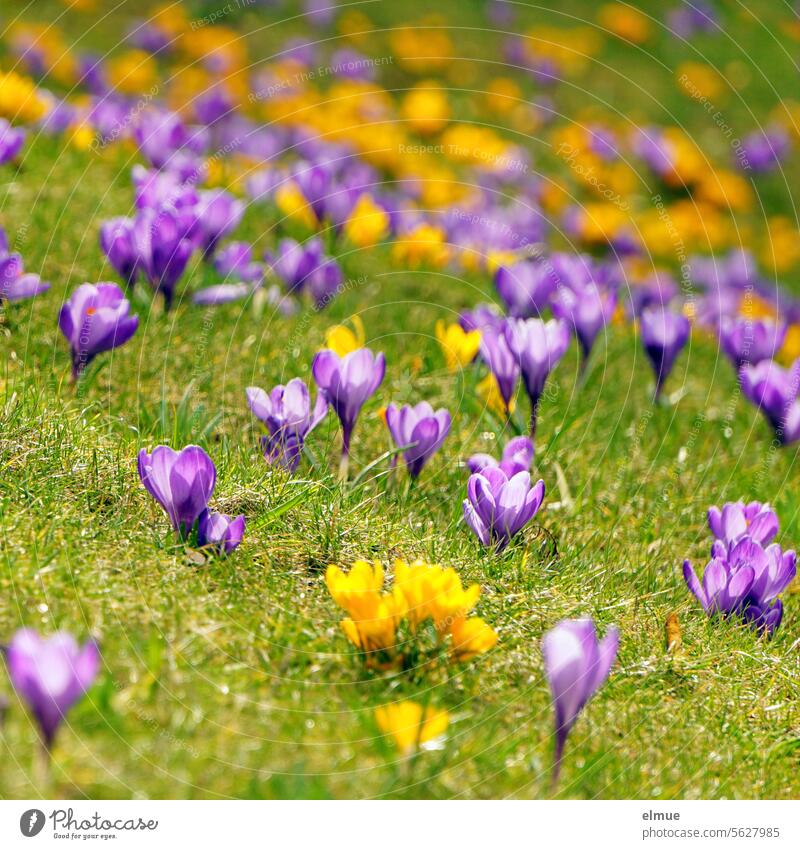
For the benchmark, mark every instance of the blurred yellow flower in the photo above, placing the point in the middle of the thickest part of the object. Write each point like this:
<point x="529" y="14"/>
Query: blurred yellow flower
<point x="342" y="340"/>
<point x="625" y="22"/>
<point x="410" y="725"/>
<point x="791" y="346"/>
<point x="698" y="80"/>
<point x="421" y="49"/>
<point x="20" y="99"/>
<point x="503" y="95"/>
<point x="489" y="392"/>
<point x="781" y="250"/>
<point x="458" y="346"/>
<point x="726" y="190"/>
<point x="471" y="637"/>
<point x="368" y="223"/>
<point x="569" y="49"/>
<point x="355" y="26"/>
<point x="424" y="245"/>
<point x="132" y="72"/>
<point x="293" y="204"/>
<point x="425" y="108"/>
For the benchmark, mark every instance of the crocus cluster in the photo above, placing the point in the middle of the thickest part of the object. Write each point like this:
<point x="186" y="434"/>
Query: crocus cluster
<point x="576" y="665"/>
<point x="182" y="482"/>
<point x="392" y="628"/>
<point x="50" y="675"/>
<point x="747" y="571"/>
<point x="95" y="319"/>
<point x="498" y="506"/>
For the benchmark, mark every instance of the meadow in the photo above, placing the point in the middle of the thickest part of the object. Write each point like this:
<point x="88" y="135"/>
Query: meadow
<point x="230" y="676"/>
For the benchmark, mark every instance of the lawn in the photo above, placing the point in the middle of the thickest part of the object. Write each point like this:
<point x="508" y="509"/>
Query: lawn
<point x="230" y="676"/>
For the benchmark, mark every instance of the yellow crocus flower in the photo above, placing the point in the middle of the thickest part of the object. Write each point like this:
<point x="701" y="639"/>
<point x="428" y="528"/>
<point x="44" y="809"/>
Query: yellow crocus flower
<point x="471" y="637"/>
<point x="458" y="346"/>
<point x="368" y="223"/>
<point x="410" y="725"/>
<point x="293" y="204"/>
<point x="433" y="592"/>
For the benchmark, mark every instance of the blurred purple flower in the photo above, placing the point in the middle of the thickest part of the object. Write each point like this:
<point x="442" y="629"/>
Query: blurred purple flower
<point x="774" y="391"/>
<point x="117" y="242"/>
<point x="236" y="260"/>
<point x="182" y="482"/>
<point x="664" y="333"/>
<point x="288" y="414"/>
<point x="690" y="17"/>
<point x="746" y="340"/>
<point x="419" y="427"/>
<point x="218" y="214"/>
<point x="11" y="141"/>
<point x="95" y="319"/>
<point x="498" y="507"/>
<point x="51" y="675"/>
<point x="763" y="150"/>
<point x="216" y="530"/>
<point x="525" y="288"/>
<point x="221" y="293"/>
<point x="294" y="262"/>
<point x="480" y="318"/>
<point x="587" y="309"/>
<point x="576" y="665"/>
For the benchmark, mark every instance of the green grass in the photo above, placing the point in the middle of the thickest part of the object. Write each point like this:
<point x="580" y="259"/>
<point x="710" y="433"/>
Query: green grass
<point x="232" y="678"/>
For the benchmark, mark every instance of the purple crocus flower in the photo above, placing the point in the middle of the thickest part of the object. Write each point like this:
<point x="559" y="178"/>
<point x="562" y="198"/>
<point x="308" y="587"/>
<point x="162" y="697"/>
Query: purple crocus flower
<point x="480" y="318"/>
<point x="221" y="293"/>
<point x="501" y="361"/>
<point x="162" y="249"/>
<point x="180" y="481"/>
<point x="419" y="427"/>
<point x="689" y="18"/>
<point x="160" y="135"/>
<point x="95" y="319"/>
<point x="664" y="333"/>
<point x="347" y="382"/>
<point x="216" y="530"/>
<point x="576" y="665"/>
<point x="294" y="262"/>
<point x="750" y="341"/>
<point x="11" y="141"/>
<point x="218" y="214"/>
<point x="497" y="507"/>
<point x="763" y="150"/>
<point x="774" y="391"/>
<point x="746" y="582"/>
<point x="538" y="346"/>
<point x="15" y="284"/>
<point x="737" y="519"/>
<point x="236" y="260"/>
<point x="117" y="242"/>
<point x="587" y="309"/>
<point x="155" y="189"/>
<point x="320" y="13"/>
<point x="289" y="416"/>
<point x="525" y="288"/>
<point x="324" y="282"/>
<point x="517" y="457"/>
<point x="51" y="675"/>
